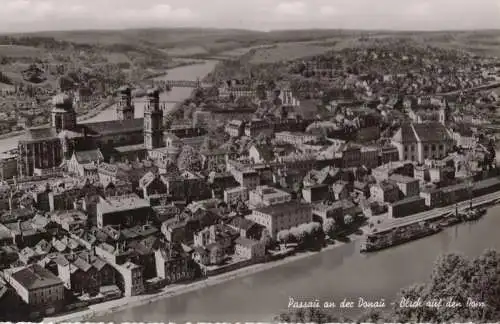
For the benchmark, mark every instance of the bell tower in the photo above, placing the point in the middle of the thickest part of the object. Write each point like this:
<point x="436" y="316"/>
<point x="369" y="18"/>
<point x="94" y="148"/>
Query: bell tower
<point x="63" y="113"/>
<point x="125" y="107"/>
<point x="153" y="121"/>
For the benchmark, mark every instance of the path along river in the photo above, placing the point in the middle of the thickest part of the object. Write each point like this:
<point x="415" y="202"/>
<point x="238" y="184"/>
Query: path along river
<point x="189" y="72"/>
<point x="329" y="276"/>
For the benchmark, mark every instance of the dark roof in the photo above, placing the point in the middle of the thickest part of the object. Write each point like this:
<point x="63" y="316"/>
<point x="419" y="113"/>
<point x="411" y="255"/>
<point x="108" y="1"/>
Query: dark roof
<point x="99" y="263"/>
<point x="283" y="208"/>
<point x="85" y="157"/>
<point x="463" y="129"/>
<point x="36" y="277"/>
<point x="265" y="152"/>
<point x="39" y="134"/>
<point x="401" y="178"/>
<point x="408" y="200"/>
<point x="82" y="264"/>
<point x="405" y="134"/>
<point x="115" y="126"/>
<point x="431" y="132"/>
<point x="130" y="148"/>
<point x="242" y="223"/>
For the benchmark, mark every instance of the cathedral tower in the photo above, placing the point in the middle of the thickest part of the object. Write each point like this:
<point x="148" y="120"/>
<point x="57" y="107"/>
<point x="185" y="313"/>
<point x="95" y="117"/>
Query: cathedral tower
<point x="63" y="113"/>
<point x="125" y="107"/>
<point x="153" y="121"/>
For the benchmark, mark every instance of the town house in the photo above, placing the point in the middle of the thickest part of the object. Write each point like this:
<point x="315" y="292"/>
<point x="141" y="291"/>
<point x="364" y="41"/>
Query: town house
<point x="173" y="264"/>
<point x="409" y="187"/>
<point x="85" y="163"/>
<point x="40" y="289"/>
<point x="249" y="249"/>
<point x="127" y="211"/>
<point x="384" y="191"/>
<point x="278" y="217"/>
<point x="267" y="196"/>
<point x="152" y="187"/>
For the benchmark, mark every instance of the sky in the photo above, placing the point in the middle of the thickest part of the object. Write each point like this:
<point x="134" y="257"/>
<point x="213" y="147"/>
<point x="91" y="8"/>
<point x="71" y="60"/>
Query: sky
<point x="42" y="15"/>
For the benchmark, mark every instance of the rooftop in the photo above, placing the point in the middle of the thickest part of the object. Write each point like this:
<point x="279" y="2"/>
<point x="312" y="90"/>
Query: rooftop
<point x="431" y="132"/>
<point x="35" y="277"/>
<point x="401" y="178"/>
<point x="283" y="208"/>
<point x="122" y="203"/>
<point x="115" y="126"/>
<point x="40" y="134"/>
<point x="408" y="200"/>
<point x="405" y="134"/>
<point x="85" y="157"/>
<point x="130" y="148"/>
<point x="269" y="191"/>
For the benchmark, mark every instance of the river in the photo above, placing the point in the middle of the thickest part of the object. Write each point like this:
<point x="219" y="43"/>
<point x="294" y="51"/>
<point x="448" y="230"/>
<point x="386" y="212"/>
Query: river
<point x="189" y="72"/>
<point x="329" y="276"/>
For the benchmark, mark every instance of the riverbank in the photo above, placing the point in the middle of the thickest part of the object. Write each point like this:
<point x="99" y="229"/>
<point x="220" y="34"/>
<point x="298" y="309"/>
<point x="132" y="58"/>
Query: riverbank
<point x="177" y="63"/>
<point x="113" y="306"/>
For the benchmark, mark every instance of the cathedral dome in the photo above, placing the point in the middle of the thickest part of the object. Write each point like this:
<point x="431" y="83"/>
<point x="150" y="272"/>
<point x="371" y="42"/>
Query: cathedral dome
<point x="62" y="100"/>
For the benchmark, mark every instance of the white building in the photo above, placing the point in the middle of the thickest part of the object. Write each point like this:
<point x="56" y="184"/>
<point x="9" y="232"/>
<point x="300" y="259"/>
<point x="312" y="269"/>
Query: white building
<point x="37" y="287"/>
<point x="267" y="196"/>
<point x="418" y="142"/>
<point x="233" y="195"/>
<point x="296" y="138"/>
<point x="284" y="216"/>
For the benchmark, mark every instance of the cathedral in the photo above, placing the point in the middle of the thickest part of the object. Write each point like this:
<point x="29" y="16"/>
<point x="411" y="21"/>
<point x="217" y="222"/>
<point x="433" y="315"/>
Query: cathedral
<point x="50" y="147"/>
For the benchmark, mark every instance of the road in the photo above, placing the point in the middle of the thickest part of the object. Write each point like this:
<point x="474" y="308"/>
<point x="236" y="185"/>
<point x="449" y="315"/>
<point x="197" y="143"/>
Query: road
<point x="436" y="212"/>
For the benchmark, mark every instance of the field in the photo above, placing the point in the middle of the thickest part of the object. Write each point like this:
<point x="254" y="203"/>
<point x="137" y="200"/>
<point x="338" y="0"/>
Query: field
<point x="185" y="51"/>
<point x="288" y="51"/>
<point x="116" y="58"/>
<point x="20" y="51"/>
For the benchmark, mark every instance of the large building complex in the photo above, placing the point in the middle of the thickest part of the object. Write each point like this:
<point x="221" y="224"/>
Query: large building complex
<point x="49" y="147"/>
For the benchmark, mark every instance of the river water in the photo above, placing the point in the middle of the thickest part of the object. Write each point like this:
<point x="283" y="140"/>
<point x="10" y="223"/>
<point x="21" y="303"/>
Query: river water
<point x="189" y="72"/>
<point x="329" y="276"/>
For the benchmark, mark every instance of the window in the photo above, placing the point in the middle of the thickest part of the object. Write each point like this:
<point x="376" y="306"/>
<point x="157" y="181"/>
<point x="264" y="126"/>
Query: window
<point x="426" y="147"/>
<point x="433" y="147"/>
<point x="441" y="147"/>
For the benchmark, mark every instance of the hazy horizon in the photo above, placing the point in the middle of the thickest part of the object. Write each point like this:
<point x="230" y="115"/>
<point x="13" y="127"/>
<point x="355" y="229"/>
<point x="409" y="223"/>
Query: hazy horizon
<point x="19" y="16"/>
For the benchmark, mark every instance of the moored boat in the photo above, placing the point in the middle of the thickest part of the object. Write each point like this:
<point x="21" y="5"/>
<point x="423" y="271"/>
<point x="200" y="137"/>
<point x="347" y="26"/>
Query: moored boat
<point x="394" y="237"/>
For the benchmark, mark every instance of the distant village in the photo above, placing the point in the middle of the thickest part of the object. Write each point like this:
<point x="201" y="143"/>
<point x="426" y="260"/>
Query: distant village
<point x="244" y="173"/>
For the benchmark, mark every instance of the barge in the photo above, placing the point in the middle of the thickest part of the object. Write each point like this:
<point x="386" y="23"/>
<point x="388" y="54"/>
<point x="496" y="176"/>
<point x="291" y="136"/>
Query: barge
<point x="398" y="236"/>
<point x="473" y="214"/>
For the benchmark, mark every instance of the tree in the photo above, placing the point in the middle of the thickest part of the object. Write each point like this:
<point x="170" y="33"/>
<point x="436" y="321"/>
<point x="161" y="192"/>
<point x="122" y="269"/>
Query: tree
<point x="348" y="219"/>
<point x="328" y="225"/>
<point x="306" y="315"/>
<point x="284" y="237"/>
<point x="462" y="280"/>
<point x="189" y="159"/>
<point x="267" y="239"/>
<point x="454" y="277"/>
